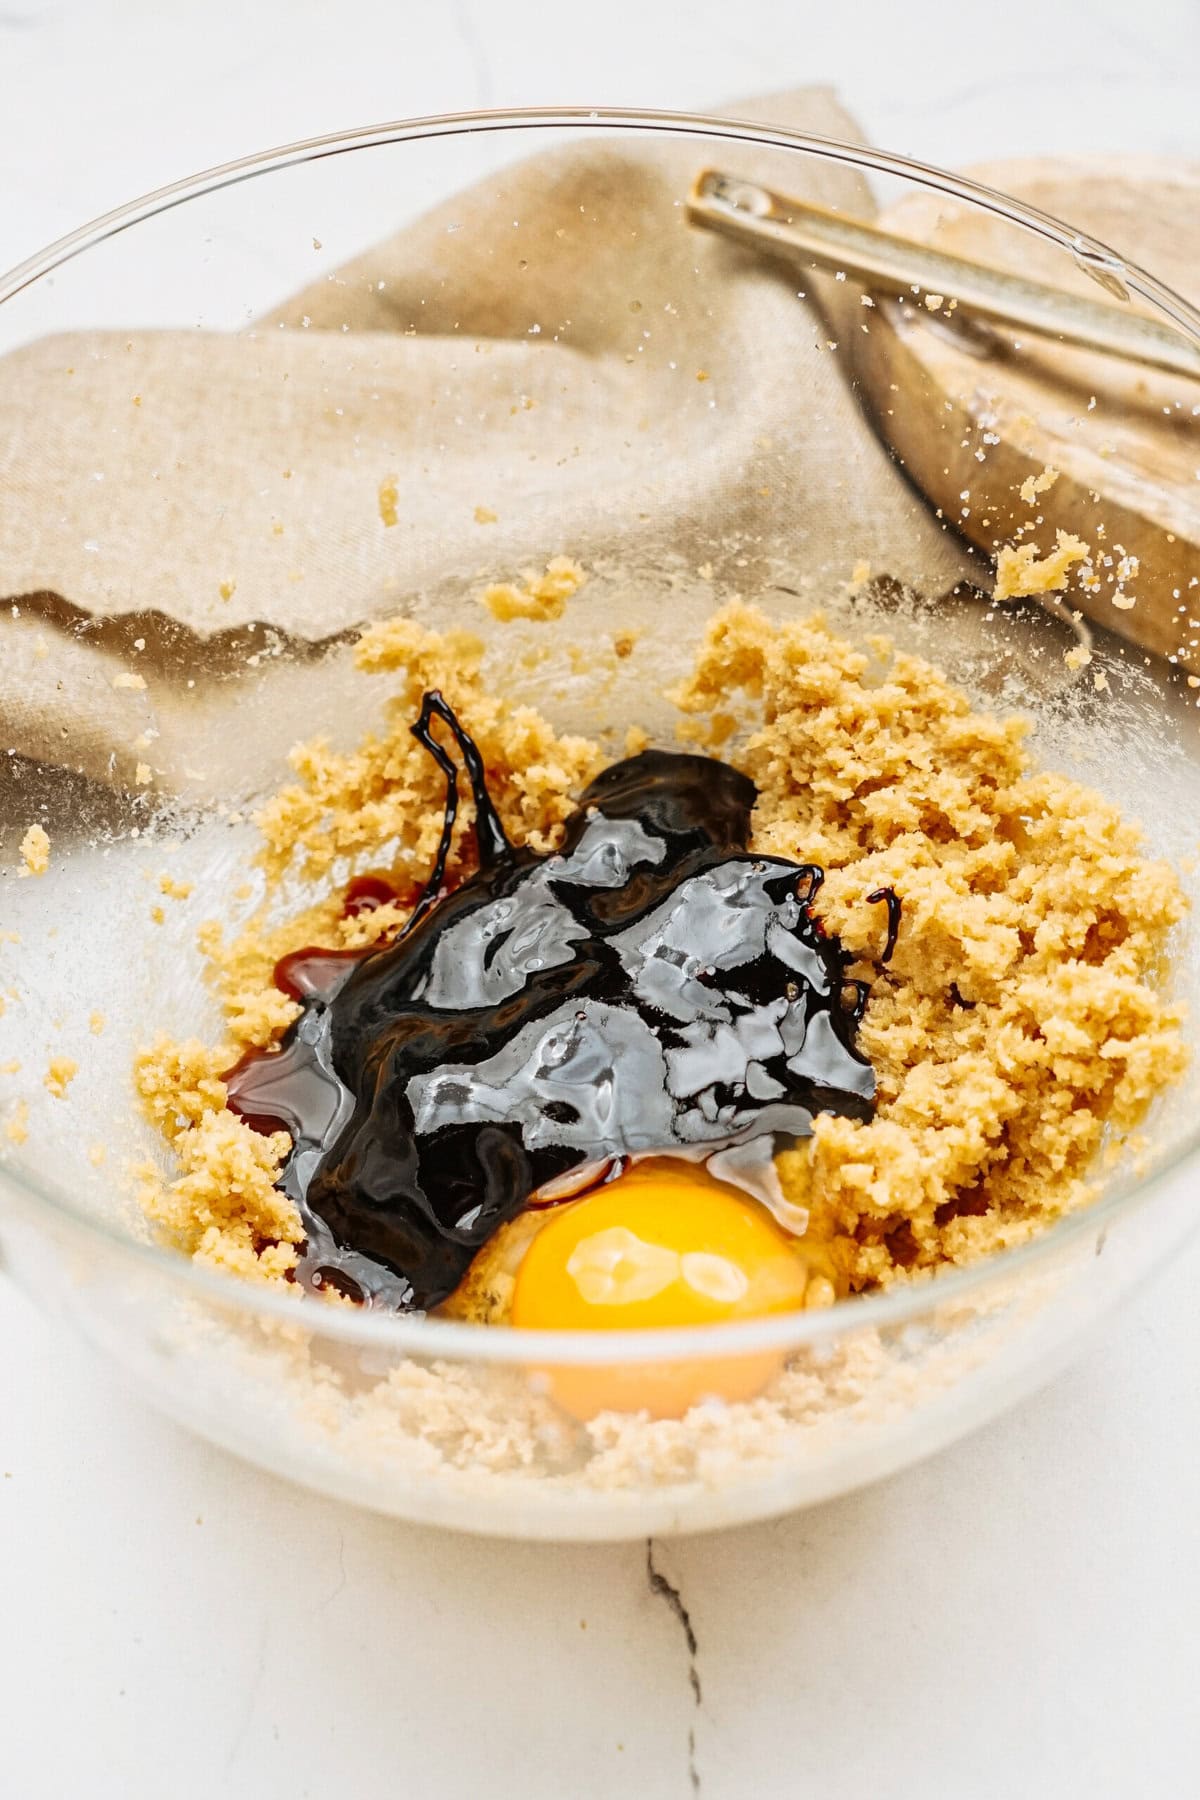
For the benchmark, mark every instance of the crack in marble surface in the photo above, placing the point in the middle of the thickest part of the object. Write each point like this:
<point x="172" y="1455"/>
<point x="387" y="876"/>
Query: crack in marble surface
<point x="665" y="1590"/>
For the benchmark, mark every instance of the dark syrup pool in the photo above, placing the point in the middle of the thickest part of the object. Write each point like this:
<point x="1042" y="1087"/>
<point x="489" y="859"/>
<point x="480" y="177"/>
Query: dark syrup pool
<point x="651" y="988"/>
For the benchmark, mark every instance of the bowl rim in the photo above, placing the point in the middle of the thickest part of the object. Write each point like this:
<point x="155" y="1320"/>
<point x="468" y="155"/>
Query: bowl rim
<point x="460" y="1340"/>
<point x="536" y="118"/>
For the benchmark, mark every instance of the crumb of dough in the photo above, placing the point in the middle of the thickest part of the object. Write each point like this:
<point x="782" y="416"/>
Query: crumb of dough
<point x="221" y="1202"/>
<point x="179" y="1083"/>
<point x="16" y="1126"/>
<point x="540" y="597"/>
<point x="96" y="1023"/>
<point x="390" y="790"/>
<point x="59" y="1076"/>
<point x="1022" y="1017"/>
<point x="860" y="574"/>
<point x="624" y="643"/>
<point x="142" y="774"/>
<point x="718" y="730"/>
<point x="1022" y="1021"/>
<point x="12" y="1067"/>
<point x="1100" y="682"/>
<point x="227" y="589"/>
<point x="1078" y="658"/>
<point x="158" y="915"/>
<point x="1033" y="485"/>
<point x="485" y="516"/>
<point x="174" y="890"/>
<point x="935" y="302"/>
<point x="35" y="851"/>
<point x="389" y="495"/>
<point x="636" y="740"/>
<point x="128" y="679"/>
<point x="96" y="1154"/>
<point x="1019" y="574"/>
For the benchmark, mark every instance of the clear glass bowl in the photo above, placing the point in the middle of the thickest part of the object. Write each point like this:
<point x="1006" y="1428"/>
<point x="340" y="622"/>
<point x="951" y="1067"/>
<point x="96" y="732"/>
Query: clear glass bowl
<point x="429" y="1419"/>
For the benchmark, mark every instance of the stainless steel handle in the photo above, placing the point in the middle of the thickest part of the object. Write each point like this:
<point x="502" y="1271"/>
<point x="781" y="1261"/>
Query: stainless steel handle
<point x="802" y="232"/>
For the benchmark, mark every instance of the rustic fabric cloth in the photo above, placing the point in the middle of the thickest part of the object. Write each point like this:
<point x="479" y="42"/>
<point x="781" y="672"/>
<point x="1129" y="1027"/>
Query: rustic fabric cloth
<point x="602" y="374"/>
<point x="599" y="373"/>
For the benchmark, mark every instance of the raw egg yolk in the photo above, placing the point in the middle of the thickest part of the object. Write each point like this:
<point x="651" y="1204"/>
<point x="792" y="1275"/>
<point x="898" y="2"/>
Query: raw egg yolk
<point x="663" y="1245"/>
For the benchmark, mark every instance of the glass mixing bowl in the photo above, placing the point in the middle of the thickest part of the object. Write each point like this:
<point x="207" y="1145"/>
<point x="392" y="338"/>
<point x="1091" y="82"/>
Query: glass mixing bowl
<point x="431" y="1419"/>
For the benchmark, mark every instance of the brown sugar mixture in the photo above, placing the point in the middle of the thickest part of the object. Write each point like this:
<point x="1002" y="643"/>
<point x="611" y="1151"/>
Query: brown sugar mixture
<point x="1020" y="1025"/>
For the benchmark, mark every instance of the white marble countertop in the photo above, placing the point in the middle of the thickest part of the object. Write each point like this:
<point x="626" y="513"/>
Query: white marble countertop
<point x="1018" y="1616"/>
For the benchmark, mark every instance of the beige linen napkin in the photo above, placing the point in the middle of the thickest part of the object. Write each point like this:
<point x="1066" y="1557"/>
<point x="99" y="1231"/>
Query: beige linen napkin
<point x="465" y="398"/>
<point x="605" y="375"/>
